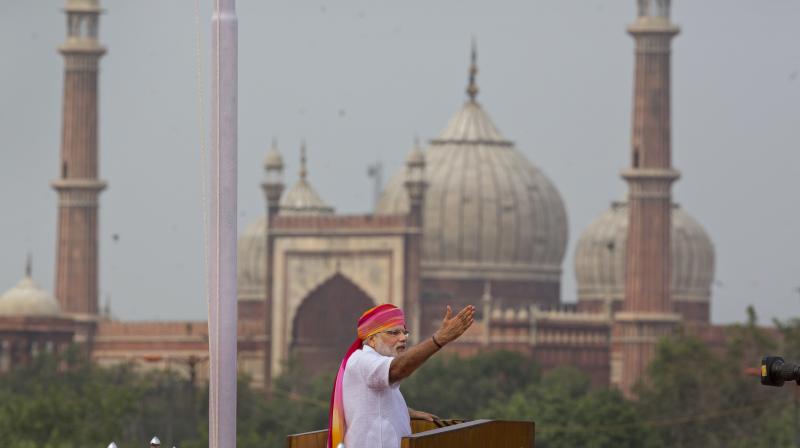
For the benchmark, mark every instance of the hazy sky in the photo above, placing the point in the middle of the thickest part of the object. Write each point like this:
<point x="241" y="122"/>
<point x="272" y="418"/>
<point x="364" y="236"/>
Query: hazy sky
<point x="358" y="79"/>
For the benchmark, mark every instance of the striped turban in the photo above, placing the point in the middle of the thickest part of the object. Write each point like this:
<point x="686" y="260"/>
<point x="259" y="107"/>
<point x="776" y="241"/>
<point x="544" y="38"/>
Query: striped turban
<point x="373" y="321"/>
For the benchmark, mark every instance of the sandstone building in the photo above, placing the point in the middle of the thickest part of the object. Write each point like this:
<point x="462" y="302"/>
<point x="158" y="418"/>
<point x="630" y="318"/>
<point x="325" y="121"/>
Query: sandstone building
<point x="469" y="219"/>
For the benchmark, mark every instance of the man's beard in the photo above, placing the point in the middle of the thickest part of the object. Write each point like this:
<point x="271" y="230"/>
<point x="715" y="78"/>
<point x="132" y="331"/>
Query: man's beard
<point x="389" y="350"/>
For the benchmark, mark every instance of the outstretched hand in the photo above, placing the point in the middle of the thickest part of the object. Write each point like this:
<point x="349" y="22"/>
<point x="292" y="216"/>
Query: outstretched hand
<point x="454" y="326"/>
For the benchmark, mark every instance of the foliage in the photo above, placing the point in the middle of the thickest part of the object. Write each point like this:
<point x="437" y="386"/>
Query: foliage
<point x="694" y="395"/>
<point x="453" y="387"/>
<point x="790" y="332"/>
<point x="568" y="413"/>
<point x="67" y="401"/>
<point x="298" y="402"/>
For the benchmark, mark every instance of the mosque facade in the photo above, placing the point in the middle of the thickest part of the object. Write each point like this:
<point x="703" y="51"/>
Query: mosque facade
<point x="468" y="220"/>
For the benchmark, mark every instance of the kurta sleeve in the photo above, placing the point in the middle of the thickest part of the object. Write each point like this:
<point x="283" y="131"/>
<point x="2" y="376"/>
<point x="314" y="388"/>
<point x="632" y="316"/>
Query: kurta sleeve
<point x="375" y="371"/>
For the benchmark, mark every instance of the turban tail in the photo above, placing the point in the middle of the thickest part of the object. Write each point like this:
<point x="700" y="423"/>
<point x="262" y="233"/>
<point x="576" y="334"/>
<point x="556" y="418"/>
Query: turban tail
<point x="373" y="321"/>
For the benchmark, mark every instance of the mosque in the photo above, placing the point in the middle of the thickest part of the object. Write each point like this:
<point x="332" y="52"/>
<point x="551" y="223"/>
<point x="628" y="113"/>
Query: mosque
<point x="468" y="220"/>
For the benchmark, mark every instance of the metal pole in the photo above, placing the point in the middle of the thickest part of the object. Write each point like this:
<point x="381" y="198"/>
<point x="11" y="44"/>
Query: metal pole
<point x="222" y="228"/>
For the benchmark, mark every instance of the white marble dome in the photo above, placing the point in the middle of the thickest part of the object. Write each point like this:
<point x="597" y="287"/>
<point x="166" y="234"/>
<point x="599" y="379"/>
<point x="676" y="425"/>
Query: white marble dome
<point x="302" y="199"/>
<point x="251" y="275"/>
<point x="600" y="257"/>
<point x="28" y="299"/>
<point x="489" y="212"/>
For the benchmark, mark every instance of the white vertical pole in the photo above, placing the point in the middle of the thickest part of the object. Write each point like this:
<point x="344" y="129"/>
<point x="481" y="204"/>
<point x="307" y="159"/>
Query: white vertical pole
<point x="222" y="228"/>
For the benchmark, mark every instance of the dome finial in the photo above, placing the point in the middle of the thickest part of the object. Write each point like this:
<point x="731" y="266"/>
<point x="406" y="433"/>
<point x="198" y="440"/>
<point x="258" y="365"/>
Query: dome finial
<point x="303" y="169"/>
<point x="29" y="266"/>
<point x="472" y="88"/>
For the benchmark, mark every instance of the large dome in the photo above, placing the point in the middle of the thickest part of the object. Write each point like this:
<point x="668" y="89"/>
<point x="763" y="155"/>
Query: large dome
<point x="28" y="299"/>
<point x="600" y="257"/>
<point x="251" y="278"/>
<point x="489" y="212"/>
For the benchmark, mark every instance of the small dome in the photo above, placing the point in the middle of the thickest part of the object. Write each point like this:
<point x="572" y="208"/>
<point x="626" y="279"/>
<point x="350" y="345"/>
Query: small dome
<point x="28" y="299"/>
<point x="301" y="199"/>
<point x="489" y="212"/>
<point x="497" y="314"/>
<point x="274" y="160"/>
<point x="251" y="276"/>
<point x="416" y="157"/>
<point x="600" y="257"/>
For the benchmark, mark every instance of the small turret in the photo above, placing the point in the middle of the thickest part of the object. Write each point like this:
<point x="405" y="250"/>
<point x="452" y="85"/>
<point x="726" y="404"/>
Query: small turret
<point x="415" y="181"/>
<point x="82" y="23"/>
<point x="302" y="199"/>
<point x="654" y="8"/>
<point x="273" y="179"/>
<point x="415" y="177"/>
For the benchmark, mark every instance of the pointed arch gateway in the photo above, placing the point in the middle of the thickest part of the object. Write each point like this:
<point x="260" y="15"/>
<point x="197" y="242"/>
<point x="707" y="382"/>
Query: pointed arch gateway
<point x="325" y="324"/>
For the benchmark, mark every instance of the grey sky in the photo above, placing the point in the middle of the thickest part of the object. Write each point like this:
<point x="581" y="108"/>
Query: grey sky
<point x="358" y="80"/>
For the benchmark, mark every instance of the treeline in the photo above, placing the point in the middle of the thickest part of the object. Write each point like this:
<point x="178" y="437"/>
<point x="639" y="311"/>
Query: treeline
<point x="693" y="397"/>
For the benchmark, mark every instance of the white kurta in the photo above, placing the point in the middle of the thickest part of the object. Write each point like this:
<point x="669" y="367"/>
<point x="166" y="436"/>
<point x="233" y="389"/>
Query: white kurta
<point x="375" y="411"/>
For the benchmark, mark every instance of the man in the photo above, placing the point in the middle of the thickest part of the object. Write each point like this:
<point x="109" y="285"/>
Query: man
<point x="367" y="409"/>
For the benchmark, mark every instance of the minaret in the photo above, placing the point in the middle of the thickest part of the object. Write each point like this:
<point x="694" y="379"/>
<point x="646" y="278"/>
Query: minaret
<point x="78" y="185"/>
<point x="273" y="181"/>
<point x="273" y="187"/>
<point x="647" y="313"/>
<point x="416" y="185"/>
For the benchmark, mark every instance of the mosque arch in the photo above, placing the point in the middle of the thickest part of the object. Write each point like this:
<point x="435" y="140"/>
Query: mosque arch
<point x="325" y="324"/>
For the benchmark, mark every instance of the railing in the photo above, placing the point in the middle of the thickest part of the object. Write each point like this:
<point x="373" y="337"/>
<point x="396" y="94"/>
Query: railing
<point x="313" y="439"/>
<point x="472" y="434"/>
<point x="475" y="434"/>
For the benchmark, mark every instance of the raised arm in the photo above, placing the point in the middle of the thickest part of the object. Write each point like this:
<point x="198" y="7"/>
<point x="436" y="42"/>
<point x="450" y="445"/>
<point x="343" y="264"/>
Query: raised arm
<point x="452" y="327"/>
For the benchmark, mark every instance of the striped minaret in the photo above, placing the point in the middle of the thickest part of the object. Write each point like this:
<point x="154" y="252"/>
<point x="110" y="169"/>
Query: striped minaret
<point x="78" y="185"/>
<point x="647" y="313"/>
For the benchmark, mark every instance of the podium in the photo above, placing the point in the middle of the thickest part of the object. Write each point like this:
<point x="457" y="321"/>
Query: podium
<point x="471" y="434"/>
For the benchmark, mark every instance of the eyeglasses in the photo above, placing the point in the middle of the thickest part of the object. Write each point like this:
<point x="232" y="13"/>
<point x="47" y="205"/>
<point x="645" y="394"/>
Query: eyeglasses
<point x="397" y="333"/>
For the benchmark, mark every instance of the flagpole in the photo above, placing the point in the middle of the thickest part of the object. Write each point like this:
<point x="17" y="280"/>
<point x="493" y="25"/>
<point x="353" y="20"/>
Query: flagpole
<point x="222" y="228"/>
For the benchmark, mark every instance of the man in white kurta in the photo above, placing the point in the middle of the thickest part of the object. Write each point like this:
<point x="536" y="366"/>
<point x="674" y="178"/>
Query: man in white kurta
<point x="376" y="413"/>
<point x="367" y="409"/>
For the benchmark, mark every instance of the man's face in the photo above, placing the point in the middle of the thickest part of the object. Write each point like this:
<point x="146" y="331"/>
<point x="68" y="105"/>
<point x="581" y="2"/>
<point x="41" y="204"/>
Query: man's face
<point x="391" y="342"/>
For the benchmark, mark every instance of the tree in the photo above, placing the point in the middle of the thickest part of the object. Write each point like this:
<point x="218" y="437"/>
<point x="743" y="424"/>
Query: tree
<point x="695" y="397"/>
<point x="455" y="387"/>
<point x="66" y="401"/>
<point x="569" y="413"/>
<point x="298" y="402"/>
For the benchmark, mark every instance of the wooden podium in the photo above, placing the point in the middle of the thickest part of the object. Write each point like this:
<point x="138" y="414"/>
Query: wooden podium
<point x="472" y="434"/>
